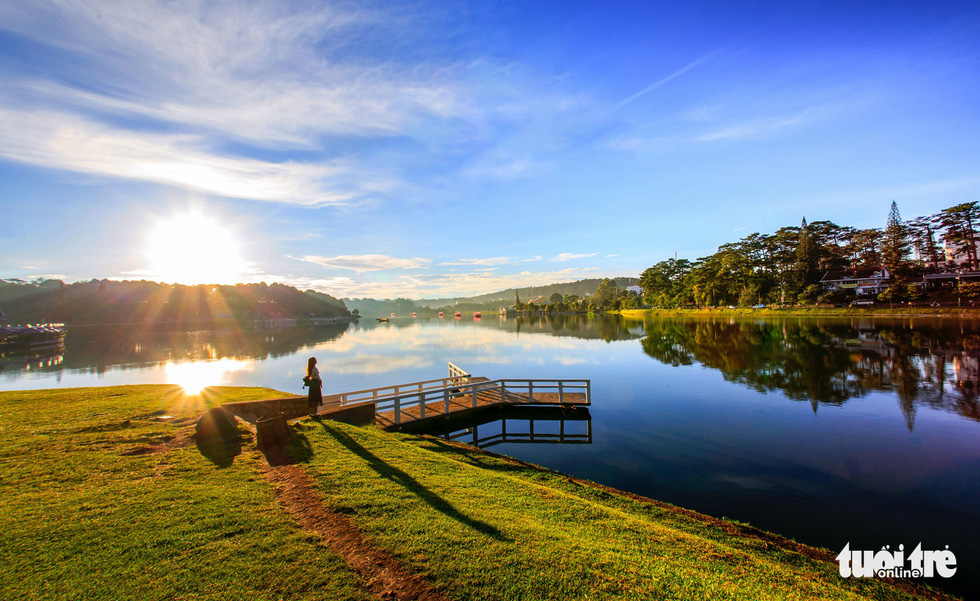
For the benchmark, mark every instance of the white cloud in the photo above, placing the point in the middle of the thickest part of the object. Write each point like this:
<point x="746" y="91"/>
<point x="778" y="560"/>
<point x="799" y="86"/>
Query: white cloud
<point x="757" y="127"/>
<point x="188" y="94"/>
<point x="569" y="256"/>
<point x="364" y="263"/>
<point x="247" y="70"/>
<point x="489" y="261"/>
<point x="445" y="285"/>
<point x="62" y="141"/>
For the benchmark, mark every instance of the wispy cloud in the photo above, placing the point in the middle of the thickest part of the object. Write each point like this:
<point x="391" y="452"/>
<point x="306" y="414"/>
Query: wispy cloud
<point x="189" y="95"/>
<point x="569" y="256"/>
<point x="246" y="70"/>
<point x="666" y="79"/>
<point x="759" y="127"/>
<point x="489" y="261"/>
<point x="365" y="263"/>
<point x="63" y="141"/>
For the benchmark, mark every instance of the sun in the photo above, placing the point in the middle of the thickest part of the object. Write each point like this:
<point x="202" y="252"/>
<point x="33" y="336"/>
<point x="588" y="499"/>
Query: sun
<point x="194" y="249"/>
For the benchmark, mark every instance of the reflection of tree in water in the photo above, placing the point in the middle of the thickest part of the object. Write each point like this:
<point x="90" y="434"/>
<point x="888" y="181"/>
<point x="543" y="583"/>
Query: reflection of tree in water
<point x="96" y="348"/>
<point x="604" y="327"/>
<point x="831" y="362"/>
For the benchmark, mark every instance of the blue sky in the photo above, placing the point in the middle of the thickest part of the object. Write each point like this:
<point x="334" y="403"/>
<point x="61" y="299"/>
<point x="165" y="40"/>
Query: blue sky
<point x="433" y="149"/>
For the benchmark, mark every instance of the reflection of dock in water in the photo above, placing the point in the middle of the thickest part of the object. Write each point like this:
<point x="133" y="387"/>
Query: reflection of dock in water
<point x="516" y="424"/>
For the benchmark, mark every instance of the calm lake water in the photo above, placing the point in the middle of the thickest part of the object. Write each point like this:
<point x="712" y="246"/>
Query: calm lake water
<point x="826" y="431"/>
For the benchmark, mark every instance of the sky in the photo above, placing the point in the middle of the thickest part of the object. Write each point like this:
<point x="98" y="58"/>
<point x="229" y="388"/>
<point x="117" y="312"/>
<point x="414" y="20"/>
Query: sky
<point x="439" y="149"/>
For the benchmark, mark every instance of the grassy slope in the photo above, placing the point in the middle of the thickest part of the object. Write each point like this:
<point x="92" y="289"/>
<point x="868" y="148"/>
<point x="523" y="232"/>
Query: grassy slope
<point x="81" y="520"/>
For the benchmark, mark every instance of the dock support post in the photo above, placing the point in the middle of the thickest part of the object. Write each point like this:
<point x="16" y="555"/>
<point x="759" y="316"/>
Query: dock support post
<point x="561" y="395"/>
<point x="530" y="391"/>
<point x="445" y="396"/>
<point x="474" y="397"/>
<point x="421" y="406"/>
<point x="398" y="410"/>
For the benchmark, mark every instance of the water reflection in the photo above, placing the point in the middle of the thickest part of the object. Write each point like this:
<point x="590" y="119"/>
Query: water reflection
<point x="830" y="362"/>
<point x="96" y="349"/>
<point x="514" y="424"/>
<point x="194" y="376"/>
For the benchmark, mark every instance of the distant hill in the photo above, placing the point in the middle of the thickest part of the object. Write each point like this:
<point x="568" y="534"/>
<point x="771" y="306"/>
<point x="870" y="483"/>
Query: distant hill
<point x="106" y="301"/>
<point x="579" y="288"/>
<point x="493" y="300"/>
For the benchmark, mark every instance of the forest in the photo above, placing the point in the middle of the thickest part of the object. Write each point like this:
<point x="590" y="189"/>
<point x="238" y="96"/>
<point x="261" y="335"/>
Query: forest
<point x="786" y="267"/>
<point x="108" y="301"/>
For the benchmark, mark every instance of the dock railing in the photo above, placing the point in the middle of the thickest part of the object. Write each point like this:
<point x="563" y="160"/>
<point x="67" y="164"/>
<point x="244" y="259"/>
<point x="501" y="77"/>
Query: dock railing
<point x="456" y="377"/>
<point x="510" y="391"/>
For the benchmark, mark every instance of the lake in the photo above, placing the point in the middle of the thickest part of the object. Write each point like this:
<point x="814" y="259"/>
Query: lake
<point x="827" y="431"/>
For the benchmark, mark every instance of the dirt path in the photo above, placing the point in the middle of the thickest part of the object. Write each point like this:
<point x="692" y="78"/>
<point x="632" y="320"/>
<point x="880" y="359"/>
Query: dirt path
<point x="384" y="575"/>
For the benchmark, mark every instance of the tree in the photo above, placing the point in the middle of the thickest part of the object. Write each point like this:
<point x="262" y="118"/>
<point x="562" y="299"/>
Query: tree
<point x="970" y="290"/>
<point x="960" y="225"/>
<point x="664" y="281"/>
<point x="555" y="298"/>
<point x="806" y="259"/>
<point x="895" y="242"/>
<point x="922" y="231"/>
<point x="606" y="293"/>
<point x="864" y="249"/>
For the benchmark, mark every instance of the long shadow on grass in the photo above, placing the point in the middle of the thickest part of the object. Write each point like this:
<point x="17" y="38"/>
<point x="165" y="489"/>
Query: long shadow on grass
<point x="296" y="449"/>
<point x="399" y="477"/>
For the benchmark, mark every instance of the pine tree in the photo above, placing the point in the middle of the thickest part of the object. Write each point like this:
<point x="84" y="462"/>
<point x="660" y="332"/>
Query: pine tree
<point x="895" y="242"/>
<point x="806" y="258"/>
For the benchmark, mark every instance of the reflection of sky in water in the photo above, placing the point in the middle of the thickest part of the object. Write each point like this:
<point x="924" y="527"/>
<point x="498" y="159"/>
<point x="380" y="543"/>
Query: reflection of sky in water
<point x="826" y="473"/>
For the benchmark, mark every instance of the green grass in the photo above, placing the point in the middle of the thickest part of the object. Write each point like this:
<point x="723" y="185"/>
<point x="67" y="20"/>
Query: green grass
<point x="879" y="311"/>
<point x="82" y="517"/>
<point x="80" y="520"/>
<point x="487" y="528"/>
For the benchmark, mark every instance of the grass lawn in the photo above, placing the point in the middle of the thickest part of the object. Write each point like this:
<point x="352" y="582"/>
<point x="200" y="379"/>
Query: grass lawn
<point x="877" y="311"/>
<point x="103" y="496"/>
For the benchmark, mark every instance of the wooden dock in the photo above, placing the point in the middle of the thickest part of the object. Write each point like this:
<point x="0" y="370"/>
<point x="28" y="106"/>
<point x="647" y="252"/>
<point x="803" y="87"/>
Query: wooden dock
<point x="460" y="393"/>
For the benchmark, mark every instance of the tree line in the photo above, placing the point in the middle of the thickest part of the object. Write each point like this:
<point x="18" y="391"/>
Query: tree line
<point x="108" y="301"/>
<point x="786" y="266"/>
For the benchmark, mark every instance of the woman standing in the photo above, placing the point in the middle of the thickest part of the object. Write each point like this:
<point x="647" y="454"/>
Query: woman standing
<point x="313" y="380"/>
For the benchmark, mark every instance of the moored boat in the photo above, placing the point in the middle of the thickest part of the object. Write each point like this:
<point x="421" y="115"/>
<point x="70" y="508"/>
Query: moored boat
<point x="32" y="338"/>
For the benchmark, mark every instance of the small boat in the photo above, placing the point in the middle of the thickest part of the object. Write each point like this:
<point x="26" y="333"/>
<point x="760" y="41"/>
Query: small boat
<point x="392" y="314"/>
<point x="477" y="315"/>
<point x="382" y="320"/>
<point x="457" y="315"/>
<point x="32" y="338"/>
<point x="414" y="315"/>
<point x="440" y="313"/>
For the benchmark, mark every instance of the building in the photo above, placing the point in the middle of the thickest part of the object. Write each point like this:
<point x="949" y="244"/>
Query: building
<point x="538" y="300"/>
<point x="635" y="290"/>
<point x="864" y="282"/>
<point x="957" y="256"/>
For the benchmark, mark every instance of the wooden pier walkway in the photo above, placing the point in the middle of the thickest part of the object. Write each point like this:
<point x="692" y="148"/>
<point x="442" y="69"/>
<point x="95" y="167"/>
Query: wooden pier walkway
<point x="461" y="392"/>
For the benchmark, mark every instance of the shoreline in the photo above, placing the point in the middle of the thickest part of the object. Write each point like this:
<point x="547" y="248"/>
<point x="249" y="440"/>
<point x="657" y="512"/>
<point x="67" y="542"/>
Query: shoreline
<point x="849" y="312"/>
